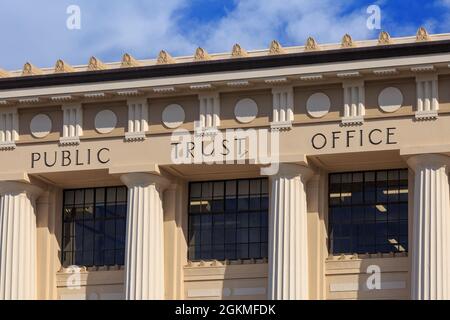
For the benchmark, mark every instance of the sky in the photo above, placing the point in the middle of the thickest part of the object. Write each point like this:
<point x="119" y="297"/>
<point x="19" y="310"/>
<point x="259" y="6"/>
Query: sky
<point x="37" y="30"/>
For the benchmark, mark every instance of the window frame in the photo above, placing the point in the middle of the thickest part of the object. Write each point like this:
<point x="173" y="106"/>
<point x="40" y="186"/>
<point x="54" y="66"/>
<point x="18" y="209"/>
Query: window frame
<point x="94" y="205"/>
<point x="365" y="203"/>
<point x="236" y="212"/>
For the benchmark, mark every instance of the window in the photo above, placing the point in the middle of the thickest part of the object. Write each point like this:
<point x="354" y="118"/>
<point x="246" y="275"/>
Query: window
<point x="228" y="219"/>
<point x="368" y="212"/>
<point x="94" y="223"/>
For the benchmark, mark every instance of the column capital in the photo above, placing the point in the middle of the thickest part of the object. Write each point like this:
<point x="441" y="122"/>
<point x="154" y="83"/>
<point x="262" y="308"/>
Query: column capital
<point x="292" y="170"/>
<point x="17" y="187"/>
<point x="144" y="179"/>
<point x="429" y="160"/>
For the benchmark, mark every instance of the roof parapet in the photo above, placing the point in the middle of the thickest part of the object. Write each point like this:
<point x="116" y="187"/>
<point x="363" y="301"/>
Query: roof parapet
<point x="237" y="51"/>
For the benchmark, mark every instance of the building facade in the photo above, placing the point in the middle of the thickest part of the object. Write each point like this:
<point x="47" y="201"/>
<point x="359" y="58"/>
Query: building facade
<point x="310" y="172"/>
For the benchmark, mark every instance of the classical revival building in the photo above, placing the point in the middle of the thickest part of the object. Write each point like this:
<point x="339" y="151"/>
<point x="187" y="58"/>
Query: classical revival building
<point x="310" y="172"/>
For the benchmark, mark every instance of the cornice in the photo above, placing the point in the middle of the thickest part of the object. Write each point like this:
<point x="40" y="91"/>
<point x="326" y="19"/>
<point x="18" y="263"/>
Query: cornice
<point x="202" y="62"/>
<point x="98" y="72"/>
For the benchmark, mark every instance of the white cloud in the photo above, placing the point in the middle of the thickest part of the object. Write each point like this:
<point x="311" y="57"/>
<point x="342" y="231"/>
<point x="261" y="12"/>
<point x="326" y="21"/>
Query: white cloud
<point x="443" y="23"/>
<point x="36" y="30"/>
<point x="254" y="23"/>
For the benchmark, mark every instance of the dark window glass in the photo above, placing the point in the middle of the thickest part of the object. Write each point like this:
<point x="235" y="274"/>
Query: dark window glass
<point x="94" y="223"/>
<point x="228" y="219"/>
<point x="368" y="212"/>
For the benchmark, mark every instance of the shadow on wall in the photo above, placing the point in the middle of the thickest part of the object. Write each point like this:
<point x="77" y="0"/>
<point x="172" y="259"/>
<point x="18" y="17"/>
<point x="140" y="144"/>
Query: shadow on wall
<point x="377" y="277"/>
<point x="241" y="280"/>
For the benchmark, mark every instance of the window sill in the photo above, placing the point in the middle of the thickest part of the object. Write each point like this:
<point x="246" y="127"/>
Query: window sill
<point x="221" y="270"/>
<point x="84" y="269"/>
<point x="358" y="257"/>
<point x="221" y="263"/>
<point x="349" y="264"/>
<point x="99" y="276"/>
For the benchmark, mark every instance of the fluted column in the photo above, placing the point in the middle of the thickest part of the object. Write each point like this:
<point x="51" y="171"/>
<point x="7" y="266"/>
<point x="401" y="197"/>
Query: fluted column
<point x="17" y="241"/>
<point x="144" y="255"/>
<point x="430" y="276"/>
<point x="288" y="241"/>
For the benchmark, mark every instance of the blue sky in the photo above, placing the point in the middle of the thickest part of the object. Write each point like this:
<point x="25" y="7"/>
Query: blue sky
<point x="35" y="30"/>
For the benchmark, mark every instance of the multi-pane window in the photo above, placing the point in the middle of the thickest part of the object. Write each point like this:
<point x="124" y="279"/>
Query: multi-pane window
<point x="368" y="212"/>
<point x="94" y="223"/>
<point x="228" y="219"/>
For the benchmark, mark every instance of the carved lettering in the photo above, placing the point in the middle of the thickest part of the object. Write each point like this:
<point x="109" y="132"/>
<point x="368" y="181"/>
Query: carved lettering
<point x="67" y="158"/>
<point x="353" y="138"/>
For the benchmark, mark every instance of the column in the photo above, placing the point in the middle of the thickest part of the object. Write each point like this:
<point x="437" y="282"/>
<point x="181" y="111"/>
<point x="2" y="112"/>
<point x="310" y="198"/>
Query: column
<point x="430" y="276"/>
<point x="17" y="241"/>
<point x="144" y="254"/>
<point x="288" y="240"/>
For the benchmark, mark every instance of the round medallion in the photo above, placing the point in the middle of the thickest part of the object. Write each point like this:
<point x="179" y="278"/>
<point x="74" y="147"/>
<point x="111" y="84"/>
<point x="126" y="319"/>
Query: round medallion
<point x="105" y="121"/>
<point x="40" y="126"/>
<point x="318" y="105"/>
<point x="390" y="99"/>
<point x="246" y="110"/>
<point x="173" y="116"/>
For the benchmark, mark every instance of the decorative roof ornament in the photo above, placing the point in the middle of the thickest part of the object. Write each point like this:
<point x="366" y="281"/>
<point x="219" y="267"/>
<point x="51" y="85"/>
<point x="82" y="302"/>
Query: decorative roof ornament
<point x="164" y="58"/>
<point x="384" y="38"/>
<point x="347" y="41"/>
<point x="4" y="73"/>
<point x="61" y="67"/>
<point x="95" y="64"/>
<point x="30" y="70"/>
<point x="276" y="48"/>
<point x="311" y="44"/>
<point x="128" y="61"/>
<point x="238" y="51"/>
<point x="422" y="34"/>
<point x="201" y="55"/>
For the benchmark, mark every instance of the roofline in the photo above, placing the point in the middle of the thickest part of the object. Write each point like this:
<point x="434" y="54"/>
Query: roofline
<point x="224" y="65"/>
